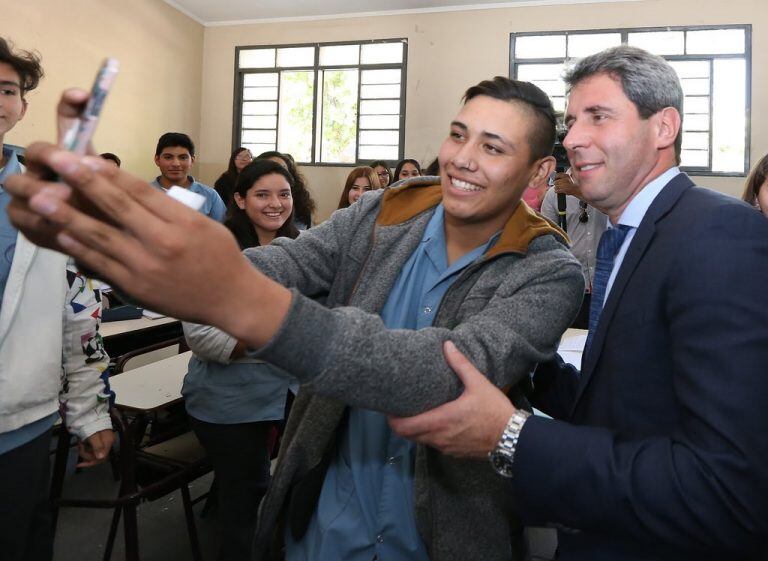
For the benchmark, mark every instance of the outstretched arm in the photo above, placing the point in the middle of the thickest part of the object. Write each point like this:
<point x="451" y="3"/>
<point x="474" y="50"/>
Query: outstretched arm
<point x="134" y="235"/>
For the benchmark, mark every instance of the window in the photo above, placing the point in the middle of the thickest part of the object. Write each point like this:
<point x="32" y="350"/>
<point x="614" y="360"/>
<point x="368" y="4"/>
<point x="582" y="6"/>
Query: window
<point x="713" y="64"/>
<point x="324" y="103"/>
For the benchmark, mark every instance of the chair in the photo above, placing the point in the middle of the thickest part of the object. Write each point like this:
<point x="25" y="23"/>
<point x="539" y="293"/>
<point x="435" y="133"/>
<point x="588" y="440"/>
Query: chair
<point x="176" y="462"/>
<point x="148" y="354"/>
<point x="148" y="469"/>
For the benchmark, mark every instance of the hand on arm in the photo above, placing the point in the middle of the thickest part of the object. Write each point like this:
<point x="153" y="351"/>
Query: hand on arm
<point x="469" y="426"/>
<point x="35" y="227"/>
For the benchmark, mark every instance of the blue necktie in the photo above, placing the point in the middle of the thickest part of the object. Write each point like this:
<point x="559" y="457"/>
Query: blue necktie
<point x="609" y="245"/>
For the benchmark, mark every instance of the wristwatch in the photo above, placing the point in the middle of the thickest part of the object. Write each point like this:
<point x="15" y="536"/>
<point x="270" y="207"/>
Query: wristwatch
<point x="503" y="455"/>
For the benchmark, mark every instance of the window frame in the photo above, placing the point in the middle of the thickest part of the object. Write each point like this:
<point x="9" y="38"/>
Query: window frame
<point x="710" y="58"/>
<point x="316" y="150"/>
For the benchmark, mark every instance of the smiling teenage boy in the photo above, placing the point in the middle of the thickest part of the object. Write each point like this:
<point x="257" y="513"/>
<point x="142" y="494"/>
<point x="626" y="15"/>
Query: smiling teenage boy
<point x="51" y="354"/>
<point x="174" y="156"/>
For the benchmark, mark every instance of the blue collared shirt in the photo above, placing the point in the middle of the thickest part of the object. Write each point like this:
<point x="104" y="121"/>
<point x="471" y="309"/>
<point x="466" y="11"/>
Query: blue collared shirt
<point x="213" y="206"/>
<point x="243" y="391"/>
<point x="634" y="214"/>
<point x="365" y="510"/>
<point x="8" y="233"/>
<point x="15" y="438"/>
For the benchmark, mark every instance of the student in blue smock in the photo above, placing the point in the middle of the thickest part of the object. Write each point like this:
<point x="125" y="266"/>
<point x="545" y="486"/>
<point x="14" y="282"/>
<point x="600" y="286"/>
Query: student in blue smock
<point x="234" y="401"/>
<point x="174" y="156"/>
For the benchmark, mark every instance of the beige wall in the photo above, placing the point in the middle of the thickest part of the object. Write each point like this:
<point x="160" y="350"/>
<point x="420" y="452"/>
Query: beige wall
<point x="159" y="85"/>
<point x="447" y="52"/>
<point x="164" y="86"/>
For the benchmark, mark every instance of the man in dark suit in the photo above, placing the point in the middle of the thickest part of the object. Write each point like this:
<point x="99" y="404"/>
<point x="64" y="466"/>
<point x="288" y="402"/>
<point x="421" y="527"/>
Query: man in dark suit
<point x="657" y="449"/>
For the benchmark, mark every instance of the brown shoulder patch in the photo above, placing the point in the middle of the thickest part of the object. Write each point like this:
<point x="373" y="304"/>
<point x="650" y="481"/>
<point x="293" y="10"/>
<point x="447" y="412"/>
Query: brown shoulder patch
<point x="403" y="203"/>
<point x="522" y="228"/>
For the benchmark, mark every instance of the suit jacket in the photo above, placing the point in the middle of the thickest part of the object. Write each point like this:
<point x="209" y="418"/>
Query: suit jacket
<point x="659" y="450"/>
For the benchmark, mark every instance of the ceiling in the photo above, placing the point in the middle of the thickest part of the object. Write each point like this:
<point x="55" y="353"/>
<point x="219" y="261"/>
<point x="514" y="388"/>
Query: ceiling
<point x="228" y="12"/>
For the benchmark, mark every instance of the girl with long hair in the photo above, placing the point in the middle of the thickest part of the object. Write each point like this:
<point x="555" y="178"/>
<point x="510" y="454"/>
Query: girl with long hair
<point x="225" y="184"/>
<point x="303" y="204"/>
<point x="235" y="402"/>
<point x="756" y="188"/>
<point x="359" y="181"/>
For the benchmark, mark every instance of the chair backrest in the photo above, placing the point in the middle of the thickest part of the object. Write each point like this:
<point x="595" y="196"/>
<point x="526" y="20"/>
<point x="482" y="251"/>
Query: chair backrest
<point x="149" y="354"/>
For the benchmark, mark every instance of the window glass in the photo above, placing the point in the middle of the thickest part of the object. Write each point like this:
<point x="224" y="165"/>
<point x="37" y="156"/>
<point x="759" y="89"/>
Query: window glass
<point x="257" y="58"/>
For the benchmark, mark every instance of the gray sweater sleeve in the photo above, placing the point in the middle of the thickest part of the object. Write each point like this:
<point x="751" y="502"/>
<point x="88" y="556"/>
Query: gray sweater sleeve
<point x="309" y="262"/>
<point x="348" y="354"/>
<point x="286" y="261"/>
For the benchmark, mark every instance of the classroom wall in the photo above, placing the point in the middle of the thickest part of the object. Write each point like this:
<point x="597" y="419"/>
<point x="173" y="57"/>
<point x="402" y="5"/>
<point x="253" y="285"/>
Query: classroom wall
<point x="447" y="52"/>
<point x="159" y="86"/>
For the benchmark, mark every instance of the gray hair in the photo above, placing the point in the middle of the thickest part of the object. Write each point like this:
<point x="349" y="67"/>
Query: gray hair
<point x="647" y="80"/>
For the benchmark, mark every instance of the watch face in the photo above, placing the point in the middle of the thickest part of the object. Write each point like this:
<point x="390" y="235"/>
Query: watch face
<point x="501" y="464"/>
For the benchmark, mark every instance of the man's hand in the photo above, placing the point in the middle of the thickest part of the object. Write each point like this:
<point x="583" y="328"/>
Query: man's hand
<point x="165" y="255"/>
<point x="36" y="228"/>
<point x="68" y="111"/>
<point x="565" y="184"/>
<point x="469" y="426"/>
<point x="95" y="449"/>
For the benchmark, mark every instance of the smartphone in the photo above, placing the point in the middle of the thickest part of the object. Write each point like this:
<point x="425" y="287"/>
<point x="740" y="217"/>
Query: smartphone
<point x="78" y="136"/>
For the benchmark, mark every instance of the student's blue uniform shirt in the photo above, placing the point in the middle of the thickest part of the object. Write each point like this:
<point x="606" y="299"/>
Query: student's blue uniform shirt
<point x="7" y="232"/>
<point x="22" y="435"/>
<point x="213" y="206"/>
<point x="365" y="510"/>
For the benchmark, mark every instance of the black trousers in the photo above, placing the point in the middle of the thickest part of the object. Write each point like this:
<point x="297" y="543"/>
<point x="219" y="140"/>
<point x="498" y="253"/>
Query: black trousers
<point x="240" y="461"/>
<point x="25" y="509"/>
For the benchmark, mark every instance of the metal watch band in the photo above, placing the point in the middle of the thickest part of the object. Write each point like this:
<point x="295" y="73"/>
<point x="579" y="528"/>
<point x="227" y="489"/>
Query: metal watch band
<point x="504" y="454"/>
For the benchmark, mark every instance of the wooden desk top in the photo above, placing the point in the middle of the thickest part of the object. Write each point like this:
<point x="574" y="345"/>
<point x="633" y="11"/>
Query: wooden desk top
<point x="111" y="328"/>
<point x="152" y="386"/>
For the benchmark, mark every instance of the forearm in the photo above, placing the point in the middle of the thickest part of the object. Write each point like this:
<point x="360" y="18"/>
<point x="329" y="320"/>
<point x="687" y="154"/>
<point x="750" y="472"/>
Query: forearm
<point x="654" y="489"/>
<point x="403" y="372"/>
<point x="259" y="310"/>
<point x="85" y="394"/>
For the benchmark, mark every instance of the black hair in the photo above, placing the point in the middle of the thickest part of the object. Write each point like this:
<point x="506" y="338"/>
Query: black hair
<point x="237" y="220"/>
<point x="303" y="204"/>
<point x="402" y="163"/>
<point x="25" y="63"/>
<point x="433" y="168"/>
<point x="111" y="156"/>
<point x="231" y="169"/>
<point x="173" y="139"/>
<point x="542" y="131"/>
